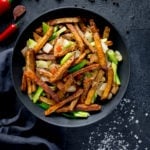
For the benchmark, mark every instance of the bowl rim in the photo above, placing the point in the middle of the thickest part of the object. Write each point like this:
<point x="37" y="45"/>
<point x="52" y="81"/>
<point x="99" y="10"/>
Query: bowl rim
<point x="84" y="123"/>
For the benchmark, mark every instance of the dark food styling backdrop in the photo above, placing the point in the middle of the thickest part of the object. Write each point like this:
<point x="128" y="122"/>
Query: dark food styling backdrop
<point x="127" y="127"/>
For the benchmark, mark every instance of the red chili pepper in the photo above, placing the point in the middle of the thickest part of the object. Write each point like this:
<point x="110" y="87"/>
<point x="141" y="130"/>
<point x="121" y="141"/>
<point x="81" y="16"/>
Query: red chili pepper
<point x="8" y="31"/>
<point x="5" y="6"/>
<point x="59" y="48"/>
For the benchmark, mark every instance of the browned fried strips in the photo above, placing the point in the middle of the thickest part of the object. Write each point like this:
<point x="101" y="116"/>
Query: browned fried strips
<point x="43" y="40"/>
<point x="97" y="39"/>
<point x="64" y="20"/>
<point x="23" y="83"/>
<point x="85" y="69"/>
<point x="60" y="72"/>
<point x="106" y="32"/>
<point x="77" y="37"/>
<point x="84" y="39"/>
<point x="45" y="57"/>
<point x="47" y="100"/>
<point x="47" y="89"/>
<point x="92" y="91"/>
<point x="92" y="107"/>
<point x="68" y="108"/>
<point x="63" y="102"/>
<point x="109" y="84"/>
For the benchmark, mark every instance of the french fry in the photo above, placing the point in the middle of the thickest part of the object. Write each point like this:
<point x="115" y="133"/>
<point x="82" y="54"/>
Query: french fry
<point x="33" y="86"/>
<point x="109" y="43"/>
<point x="73" y="104"/>
<point x="115" y="88"/>
<point x="30" y="74"/>
<point x="64" y="20"/>
<point x="83" y="70"/>
<point x="36" y="36"/>
<point x="47" y="100"/>
<point x="82" y="26"/>
<point x="77" y="37"/>
<point x="23" y="83"/>
<point x="45" y="57"/>
<point x="63" y="87"/>
<point x="91" y="107"/>
<point x="60" y="85"/>
<point x="68" y="108"/>
<point x="63" y="109"/>
<point x="29" y="86"/>
<point x="92" y="91"/>
<point x="97" y="39"/>
<point x="68" y="83"/>
<point x="39" y="30"/>
<point x="100" y="53"/>
<point x="44" y="73"/>
<point x="109" y="84"/>
<point x="63" y="102"/>
<point x="30" y="65"/>
<point x="41" y="42"/>
<point x="84" y="39"/>
<point x="60" y="72"/>
<point x="30" y="60"/>
<point x="86" y="86"/>
<point x="80" y="58"/>
<point x="106" y="32"/>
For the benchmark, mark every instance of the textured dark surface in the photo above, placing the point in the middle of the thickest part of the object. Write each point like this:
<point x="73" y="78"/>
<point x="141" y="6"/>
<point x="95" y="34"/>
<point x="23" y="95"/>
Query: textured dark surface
<point x="128" y="126"/>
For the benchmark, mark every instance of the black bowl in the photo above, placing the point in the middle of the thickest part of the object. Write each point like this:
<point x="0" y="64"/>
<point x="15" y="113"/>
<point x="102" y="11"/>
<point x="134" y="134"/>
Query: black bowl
<point x="18" y="63"/>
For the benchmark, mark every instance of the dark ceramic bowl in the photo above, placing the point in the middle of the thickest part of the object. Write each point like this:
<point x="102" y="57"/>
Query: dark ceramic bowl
<point x="18" y="62"/>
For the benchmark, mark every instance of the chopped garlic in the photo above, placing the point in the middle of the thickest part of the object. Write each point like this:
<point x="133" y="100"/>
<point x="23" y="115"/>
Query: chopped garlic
<point x="72" y="88"/>
<point x="104" y="45"/>
<point x="118" y="55"/>
<point x="88" y="36"/>
<point x="47" y="48"/>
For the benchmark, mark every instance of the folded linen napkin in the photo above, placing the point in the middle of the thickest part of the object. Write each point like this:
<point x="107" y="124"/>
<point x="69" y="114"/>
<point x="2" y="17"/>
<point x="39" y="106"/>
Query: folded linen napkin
<point x="17" y="124"/>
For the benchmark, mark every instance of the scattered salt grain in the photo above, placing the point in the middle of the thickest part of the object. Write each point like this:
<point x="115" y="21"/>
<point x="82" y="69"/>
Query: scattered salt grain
<point x="136" y="137"/>
<point x="146" y="114"/>
<point x="139" y="141"/>
<point x="136" y="121"/>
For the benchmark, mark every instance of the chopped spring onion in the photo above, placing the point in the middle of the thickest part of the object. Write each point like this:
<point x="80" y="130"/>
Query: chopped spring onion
<point x="66" y="57"/>
<point x="37" y="94"/>
<point x="78" y="66"/>
<point x="43" y="64"/>
<point x="43" y="105"/>
<point x="45" y="27"/>
<point x="31" y="43"/>
<point x="57" y="33"/>
<point x="77" y="114"/>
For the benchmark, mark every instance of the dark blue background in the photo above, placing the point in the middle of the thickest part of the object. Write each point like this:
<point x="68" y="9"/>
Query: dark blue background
<point x="126" y="128"/>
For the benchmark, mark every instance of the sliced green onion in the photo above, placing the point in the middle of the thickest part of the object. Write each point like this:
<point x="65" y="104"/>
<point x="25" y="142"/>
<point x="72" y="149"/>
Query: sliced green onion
<point x="31" y="43"/>
<point x="45" y="27"/>
<point x="37" y="94"/>
<point x="43" y="105"/>
<point x="76" y="114"/>
<point x="57" y="33"/>
<point x="65" y="58"/>
<point x="78" y="66"/>
<point x="43" y="64"/>
<point x="112" y="56"/>
<point x="116" y="77"/>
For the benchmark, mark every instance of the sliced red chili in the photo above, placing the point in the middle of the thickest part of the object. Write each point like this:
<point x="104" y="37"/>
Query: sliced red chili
<point x="59" y="48"/>
<point x="8" y="32"/>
